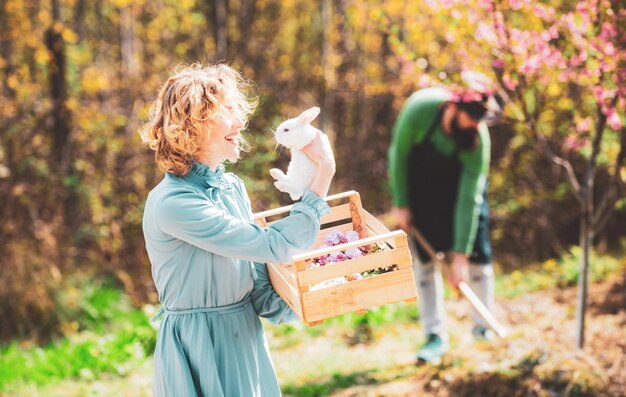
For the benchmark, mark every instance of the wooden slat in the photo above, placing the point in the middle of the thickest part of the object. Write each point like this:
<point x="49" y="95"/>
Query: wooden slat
<point x="357" y="295"/>
<point x="285" y="286"/>
<point x="356" y="210"/>
<point x="374" y="224"/>
<point x="356" y="265"/>
<point x="337" y="213"/>
<point x="402" y="245"/>
<point x="365" y="241"/>
<point x="287" y="208"/>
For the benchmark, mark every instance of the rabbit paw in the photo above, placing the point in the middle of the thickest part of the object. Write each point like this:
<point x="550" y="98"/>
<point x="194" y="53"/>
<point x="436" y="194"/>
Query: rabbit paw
<point x="282" y="186"/>
<point x="295" y="195"/>
<point x="278" y="174"/>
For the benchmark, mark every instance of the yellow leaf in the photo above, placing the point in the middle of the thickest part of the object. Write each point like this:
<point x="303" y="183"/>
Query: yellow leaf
<point x="554" y="89"/>
<point x="565" y="103"/>
<point x="69" y="35"/>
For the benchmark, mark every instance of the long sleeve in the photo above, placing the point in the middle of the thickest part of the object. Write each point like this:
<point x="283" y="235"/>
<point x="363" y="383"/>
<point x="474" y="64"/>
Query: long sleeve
<point x="187" y="215"/>
<point x="266" y="302"/>
<point x="470" y="196"/>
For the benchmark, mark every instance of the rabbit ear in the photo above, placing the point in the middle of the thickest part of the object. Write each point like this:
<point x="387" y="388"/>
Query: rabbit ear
<point x="308" y="115"/>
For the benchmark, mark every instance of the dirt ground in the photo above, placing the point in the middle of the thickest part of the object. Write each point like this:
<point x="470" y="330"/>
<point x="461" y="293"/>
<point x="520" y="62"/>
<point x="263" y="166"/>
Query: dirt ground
<point x="538" y="358"/>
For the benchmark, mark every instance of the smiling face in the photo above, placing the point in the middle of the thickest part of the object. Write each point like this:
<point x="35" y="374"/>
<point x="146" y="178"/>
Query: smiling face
<point x="223" y="138"/>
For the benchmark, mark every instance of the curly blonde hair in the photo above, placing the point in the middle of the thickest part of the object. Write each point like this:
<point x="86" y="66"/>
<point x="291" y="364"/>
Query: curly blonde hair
<point x="186" y="108"/>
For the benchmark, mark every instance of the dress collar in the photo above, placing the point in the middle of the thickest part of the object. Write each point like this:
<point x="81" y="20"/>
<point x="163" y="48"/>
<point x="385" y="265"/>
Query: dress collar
<point x="204" y="176"/>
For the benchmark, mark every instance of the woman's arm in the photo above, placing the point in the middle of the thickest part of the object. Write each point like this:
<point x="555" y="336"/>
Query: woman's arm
<point x="266" y="302"/>
<point x="187" y="215"/>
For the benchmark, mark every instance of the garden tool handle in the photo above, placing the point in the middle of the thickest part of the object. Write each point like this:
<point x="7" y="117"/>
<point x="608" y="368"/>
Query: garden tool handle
<point x="482" y="309"/>
<point x="465" y="289"/>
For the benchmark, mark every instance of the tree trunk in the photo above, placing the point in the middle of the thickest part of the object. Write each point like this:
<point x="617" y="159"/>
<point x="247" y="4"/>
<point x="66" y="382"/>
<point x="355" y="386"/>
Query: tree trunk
<point x="127" y="44"/>
<point x="220" y="17"/>
<point x="581" y="304"/>
<point x="58" y="89"/>
<point x="61" y="120"/>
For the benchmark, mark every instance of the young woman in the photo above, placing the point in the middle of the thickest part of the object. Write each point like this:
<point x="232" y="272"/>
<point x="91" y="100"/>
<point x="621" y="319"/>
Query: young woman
<point x="206" y="253"/>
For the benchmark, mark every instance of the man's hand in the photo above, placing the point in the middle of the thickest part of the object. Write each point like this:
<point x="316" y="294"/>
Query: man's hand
<point x="403" y="217"/>
<point x="460" y="269"/>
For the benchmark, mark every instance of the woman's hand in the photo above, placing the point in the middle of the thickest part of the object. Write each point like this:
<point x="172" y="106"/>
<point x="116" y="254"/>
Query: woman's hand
<point x="321" y="153"/>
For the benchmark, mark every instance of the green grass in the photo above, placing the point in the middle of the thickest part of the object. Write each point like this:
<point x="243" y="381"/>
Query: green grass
<point x="556" y="273"/>
<point x="107" y="338"/>
<point x="104" y="335"/>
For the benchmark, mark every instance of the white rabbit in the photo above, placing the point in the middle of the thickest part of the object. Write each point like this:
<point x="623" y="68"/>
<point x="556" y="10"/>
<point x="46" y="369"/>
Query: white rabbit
<point x="295" y="134"/>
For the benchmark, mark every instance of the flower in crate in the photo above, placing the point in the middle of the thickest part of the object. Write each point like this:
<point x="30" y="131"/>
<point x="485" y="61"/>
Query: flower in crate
<point x="335" y="237"/>
<point x="353" y="253"/>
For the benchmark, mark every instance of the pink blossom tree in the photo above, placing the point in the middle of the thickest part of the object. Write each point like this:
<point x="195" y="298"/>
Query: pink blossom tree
<point x="562" y="69"/>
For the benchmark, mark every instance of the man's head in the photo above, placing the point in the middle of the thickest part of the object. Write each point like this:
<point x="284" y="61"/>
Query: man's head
<point x="468" y="113"/>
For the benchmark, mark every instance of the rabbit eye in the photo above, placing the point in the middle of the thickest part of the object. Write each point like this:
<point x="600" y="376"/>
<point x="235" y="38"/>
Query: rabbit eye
<point x="286" y="129"/>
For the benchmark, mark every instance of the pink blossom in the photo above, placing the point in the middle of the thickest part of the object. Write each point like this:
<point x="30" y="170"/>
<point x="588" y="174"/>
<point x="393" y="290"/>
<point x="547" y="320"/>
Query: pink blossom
<point x="516" y="4"/>
<point x="530" y="65"/>
<point x="352" y="236"/>
<point x="510" y="83"/>
<point x="609" y="49"/>
<point x="554" y="31"/>
<point x="573" y="142"/>
<point x="485" y="32"/>
<point x="333" y="238"/>
<point x="544" y="12"/>
<point x="486" y="4"/>
<point x="612" y="118"/>
<point x="337" y="257"/>
<point x="608" y="31"/>
<point x="498" y="63"/>
<point x="598" y="93"/>
<point x="584" y="125"/>
<point x="354" y="253"/>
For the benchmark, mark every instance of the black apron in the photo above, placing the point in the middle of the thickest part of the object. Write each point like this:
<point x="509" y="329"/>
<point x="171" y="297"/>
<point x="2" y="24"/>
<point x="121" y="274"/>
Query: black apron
<point x="433" y="184"/>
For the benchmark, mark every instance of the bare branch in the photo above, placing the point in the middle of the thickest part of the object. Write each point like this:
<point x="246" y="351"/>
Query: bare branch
<point x="609" y="198"/>
<point x="541" y="139"/>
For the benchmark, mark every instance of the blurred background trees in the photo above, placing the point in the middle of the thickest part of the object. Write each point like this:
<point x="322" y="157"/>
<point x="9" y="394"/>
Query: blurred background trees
<point x="77" y="78"/>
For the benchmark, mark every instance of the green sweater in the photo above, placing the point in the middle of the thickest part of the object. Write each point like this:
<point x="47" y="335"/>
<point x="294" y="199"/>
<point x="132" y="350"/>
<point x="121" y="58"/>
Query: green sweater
<point x="416" y="116"/>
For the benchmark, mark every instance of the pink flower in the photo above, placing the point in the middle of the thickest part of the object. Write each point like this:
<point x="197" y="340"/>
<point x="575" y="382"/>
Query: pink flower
<point x="612" y="118"/>
<point x="598" y="93"/>
<point x="352" y="236"/>
<point x="485" y="32"/>
<point x="516" y="4"/>
<point x="530" y="65"/>
<point x="609" y="49"/>
<point x="354" y="253"/>
<point x="333" y="238"/>
<point x="510" y="83"/>
<point x="498" y="63"/>
<point x="337" y="257"/>
<point x="584" y="125"/>
<point x="573" y="142"/>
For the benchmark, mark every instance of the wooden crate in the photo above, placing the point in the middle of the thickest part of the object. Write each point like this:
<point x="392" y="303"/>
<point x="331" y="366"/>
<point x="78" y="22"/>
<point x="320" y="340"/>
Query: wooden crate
<point x="292" y="280"/>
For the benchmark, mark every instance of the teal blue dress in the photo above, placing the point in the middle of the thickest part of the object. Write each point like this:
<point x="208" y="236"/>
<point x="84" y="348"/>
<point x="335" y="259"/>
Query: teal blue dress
<point x="207" y="260"/>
